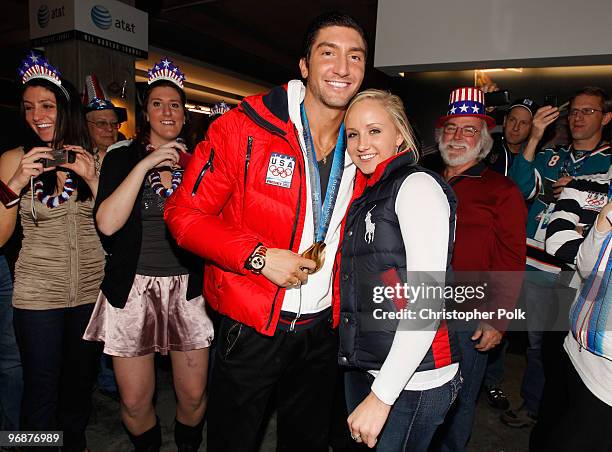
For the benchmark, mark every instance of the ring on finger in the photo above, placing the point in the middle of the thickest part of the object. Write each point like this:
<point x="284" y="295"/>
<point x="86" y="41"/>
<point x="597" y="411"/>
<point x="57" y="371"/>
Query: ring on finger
<point x="355" y="437"/>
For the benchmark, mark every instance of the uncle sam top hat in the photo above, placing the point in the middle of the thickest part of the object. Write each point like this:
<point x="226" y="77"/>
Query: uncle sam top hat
<point x="95" y="98"/>
<point x="466" y="102"/>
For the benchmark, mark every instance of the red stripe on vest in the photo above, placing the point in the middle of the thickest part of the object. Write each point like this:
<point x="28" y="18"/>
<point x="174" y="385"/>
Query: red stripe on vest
<point x="441" y="346"/>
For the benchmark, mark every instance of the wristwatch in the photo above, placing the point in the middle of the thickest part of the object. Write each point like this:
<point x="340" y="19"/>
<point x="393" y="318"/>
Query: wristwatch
<point x="257" y="260"/>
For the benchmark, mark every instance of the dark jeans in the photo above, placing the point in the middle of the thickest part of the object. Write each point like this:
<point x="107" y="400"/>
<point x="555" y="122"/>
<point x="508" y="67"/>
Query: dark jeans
<point x="59" y="369"/>
<point x="11" y="384"/>
<point x="454" y="434"/>
<point x="106" y="377"/>
<point x="414" y="417"/>
<point x="296" y="369"/>
<point x="537" y="296"/>
<point x="571" y="417"/>
<point x="494" y="374"/>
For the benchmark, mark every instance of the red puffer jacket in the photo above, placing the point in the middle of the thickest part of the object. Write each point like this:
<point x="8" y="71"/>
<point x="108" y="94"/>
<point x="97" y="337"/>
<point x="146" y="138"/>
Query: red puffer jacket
<point x="232" y="198"/>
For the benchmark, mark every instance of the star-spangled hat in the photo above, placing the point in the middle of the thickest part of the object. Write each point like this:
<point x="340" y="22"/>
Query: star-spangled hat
<point x="94" y="98"/>
<point x="166" y="70"/>
<point x="35" y="65"/>
<point x="219" y="108"/>
<point x="466" y="102"/>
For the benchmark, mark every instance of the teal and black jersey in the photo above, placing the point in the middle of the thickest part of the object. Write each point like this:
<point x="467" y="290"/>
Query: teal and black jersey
<point x="535" y="180"/>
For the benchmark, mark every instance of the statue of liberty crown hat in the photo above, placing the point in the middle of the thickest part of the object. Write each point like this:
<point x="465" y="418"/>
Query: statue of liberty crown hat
<point x="219" y="108"/>
<point x="35" y="65"/>
<point x="466" y="102"/>
<point x="166" y="70"/>
<point x="95" y="98"/>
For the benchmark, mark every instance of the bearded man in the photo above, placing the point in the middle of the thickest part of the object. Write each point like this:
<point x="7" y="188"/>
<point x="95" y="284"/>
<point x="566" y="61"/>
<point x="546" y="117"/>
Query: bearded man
<point x="489" y="237"/>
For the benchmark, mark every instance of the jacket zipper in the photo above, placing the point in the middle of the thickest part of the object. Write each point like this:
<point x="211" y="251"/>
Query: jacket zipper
<point x="248" y="159"/>
<point x="295" y="222"/>
<point x="207" y="166"/>
<point x="299" y="313"/>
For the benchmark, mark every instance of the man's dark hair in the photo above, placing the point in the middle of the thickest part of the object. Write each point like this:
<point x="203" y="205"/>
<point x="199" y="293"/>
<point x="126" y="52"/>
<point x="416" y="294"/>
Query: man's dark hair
<point x="606" y="102"/>
<point x="330" y="19"/>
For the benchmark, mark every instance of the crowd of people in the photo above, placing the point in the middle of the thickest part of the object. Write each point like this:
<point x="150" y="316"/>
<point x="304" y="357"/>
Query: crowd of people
<point x="272" y="236"/>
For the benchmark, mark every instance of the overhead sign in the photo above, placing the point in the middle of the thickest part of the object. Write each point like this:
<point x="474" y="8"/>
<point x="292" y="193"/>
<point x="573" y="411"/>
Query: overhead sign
<point x="107" y="23"/>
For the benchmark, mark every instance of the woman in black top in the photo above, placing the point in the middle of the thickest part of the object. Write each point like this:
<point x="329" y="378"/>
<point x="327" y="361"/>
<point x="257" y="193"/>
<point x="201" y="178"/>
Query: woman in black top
<point x="145" y="305"/>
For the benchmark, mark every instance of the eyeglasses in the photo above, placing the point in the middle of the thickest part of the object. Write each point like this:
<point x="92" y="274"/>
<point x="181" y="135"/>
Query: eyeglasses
<point x="467" y="131"/>
<point x="583" y="111"/>
<point x="103" y="125"/>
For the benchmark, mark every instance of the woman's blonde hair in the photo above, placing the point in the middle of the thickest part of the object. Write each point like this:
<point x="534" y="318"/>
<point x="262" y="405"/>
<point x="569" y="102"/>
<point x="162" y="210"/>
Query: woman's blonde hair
<point x="394" y="106"/>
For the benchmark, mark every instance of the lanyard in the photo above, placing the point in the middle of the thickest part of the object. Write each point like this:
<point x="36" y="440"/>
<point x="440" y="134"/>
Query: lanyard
<point x="321" y="213"/>
<point x="579" y="163"/>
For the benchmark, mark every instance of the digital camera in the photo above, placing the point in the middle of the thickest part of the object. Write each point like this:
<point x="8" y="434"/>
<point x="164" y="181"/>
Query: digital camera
<point x="59" y="157"/>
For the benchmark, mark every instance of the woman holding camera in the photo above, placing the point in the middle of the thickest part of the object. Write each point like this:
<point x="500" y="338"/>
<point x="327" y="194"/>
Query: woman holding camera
<point x="150" y="298"/>
<point x="398" y="231"/>
<point x="52" y="182"/>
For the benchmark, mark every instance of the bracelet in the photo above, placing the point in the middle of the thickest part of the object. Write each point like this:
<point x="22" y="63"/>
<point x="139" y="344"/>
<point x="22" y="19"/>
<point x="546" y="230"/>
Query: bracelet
<point x="7" y="196"/>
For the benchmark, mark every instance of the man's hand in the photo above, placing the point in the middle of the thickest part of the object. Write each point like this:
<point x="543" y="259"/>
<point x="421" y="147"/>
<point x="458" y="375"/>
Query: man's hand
<point x="489" y="337"/>
<point x="558" y="186"/>
<point x="368" y="419"/>
<point x="285" y="268"/>
<point x="544" y="117"/>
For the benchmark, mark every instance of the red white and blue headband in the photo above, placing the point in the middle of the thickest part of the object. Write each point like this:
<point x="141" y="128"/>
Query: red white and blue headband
<point x="34" y="66"/>
<point x="166" y="70"/>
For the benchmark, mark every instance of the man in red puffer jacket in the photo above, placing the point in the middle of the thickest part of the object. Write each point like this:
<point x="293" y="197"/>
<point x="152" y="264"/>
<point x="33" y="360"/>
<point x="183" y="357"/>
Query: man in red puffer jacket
<point x="271" y="180"/>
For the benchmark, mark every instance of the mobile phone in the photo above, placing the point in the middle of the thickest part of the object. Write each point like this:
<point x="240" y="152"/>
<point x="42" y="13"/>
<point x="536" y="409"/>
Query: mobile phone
<point x="59" y="157"/>
<point x="497" y="98"/>
<point x="184" y="157"/>
<point x="551" y="100"/>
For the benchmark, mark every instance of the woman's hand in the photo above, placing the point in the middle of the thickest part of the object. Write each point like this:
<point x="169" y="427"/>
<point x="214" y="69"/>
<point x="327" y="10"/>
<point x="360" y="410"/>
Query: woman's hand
<point x="83" y="165"/>
<point x="29" y="166"/>
<point x="367" y="420"/>
<point x="164" y="155"/>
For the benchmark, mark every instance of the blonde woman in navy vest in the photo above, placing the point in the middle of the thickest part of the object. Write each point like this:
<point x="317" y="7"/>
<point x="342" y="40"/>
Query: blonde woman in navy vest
<point x="403" y="375"/>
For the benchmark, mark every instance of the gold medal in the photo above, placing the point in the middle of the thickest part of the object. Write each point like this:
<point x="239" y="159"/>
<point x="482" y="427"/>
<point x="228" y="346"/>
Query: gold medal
<point x="315" y="252"/>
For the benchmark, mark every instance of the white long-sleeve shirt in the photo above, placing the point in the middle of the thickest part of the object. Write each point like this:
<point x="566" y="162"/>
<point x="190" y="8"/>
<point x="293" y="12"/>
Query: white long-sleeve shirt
<point x="423" y="212"/>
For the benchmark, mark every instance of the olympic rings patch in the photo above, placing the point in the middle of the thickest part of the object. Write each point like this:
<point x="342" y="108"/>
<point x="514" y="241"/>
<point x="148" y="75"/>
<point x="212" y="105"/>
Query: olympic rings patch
<point x="280" y="170"/>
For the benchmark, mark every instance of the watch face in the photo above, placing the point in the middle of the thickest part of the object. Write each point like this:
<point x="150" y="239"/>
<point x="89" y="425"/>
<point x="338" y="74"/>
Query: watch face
<point x="258" y="262"/>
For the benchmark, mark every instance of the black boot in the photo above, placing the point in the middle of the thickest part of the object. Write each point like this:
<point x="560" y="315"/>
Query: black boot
<point x="149" y="441"/>
<point x="188" y="439"/>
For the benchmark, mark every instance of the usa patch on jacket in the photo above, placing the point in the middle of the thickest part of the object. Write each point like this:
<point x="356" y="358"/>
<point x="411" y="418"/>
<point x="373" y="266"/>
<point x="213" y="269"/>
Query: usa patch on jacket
<point x="280" y="170"/>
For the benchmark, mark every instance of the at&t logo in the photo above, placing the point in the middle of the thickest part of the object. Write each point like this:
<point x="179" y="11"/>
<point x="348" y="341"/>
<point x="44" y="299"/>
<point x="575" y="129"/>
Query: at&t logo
<point x="101" y="17"/>
<point x="45" y="14"/>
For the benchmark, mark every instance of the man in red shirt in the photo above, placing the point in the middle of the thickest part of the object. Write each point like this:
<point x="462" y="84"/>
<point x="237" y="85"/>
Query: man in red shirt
<point x="489" y="237"/>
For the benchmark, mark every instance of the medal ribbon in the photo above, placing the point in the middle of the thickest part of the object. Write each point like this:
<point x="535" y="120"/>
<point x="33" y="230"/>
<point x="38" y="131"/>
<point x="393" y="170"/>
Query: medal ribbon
<point x="322" y="213"/>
